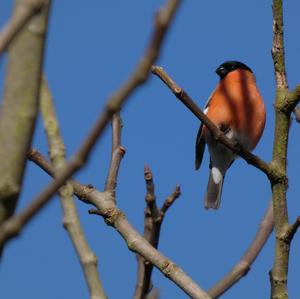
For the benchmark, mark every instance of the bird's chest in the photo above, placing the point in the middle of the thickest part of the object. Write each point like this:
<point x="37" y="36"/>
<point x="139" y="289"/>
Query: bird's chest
<point x="233" y="111"/>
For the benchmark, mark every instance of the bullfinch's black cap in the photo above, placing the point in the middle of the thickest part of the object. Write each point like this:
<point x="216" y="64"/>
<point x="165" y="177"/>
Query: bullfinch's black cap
<point x="229" y="66"/>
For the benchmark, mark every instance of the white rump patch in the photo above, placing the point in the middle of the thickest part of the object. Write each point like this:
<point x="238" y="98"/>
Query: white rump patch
<point x="216" y="175"/>
<point x="205" y="110"/>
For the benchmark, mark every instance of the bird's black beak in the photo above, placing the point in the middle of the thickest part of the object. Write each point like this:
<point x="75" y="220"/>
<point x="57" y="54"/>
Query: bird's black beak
<point x="221" y="71"/>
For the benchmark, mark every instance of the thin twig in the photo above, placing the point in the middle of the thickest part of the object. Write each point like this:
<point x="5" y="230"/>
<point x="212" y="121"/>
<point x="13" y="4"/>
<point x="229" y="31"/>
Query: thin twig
<point x="14" y="225"/>
<point x="291" y="231"/>
<point x="243" y="266"/>
<point x="150" y="198"/>
<point x="152" y="225"/>
<point x="113" y="216"/>
<point x="218" y="134"/>
<point x="170" y="200"/>
<point x="71" y="220"/>
<point x="117" y="154"/>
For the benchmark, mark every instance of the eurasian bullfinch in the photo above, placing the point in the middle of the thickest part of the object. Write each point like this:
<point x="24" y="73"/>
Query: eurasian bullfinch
<point x="236" y="108"/>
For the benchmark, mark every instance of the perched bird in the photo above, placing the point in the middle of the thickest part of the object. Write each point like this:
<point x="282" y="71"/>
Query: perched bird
<point x="236" y="108"/>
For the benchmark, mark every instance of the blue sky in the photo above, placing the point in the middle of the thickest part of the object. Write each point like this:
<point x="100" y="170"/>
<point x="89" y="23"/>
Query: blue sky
<point x="91" y="50"/>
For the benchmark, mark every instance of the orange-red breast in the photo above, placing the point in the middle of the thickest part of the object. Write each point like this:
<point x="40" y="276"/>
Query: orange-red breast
<point x="237" y="108"/>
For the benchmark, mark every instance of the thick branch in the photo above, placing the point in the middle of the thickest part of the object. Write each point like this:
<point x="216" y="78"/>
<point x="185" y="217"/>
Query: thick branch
<point x="278" y="46"/>
<point x="114" y="104"/>
<point x="243" y="266"/>
<point x="105" y="206"/>
<point x="22" y="13"/>
<point x="19" y="106"/>
<point x="71" y="220"/>
<point x="284" y="105"/>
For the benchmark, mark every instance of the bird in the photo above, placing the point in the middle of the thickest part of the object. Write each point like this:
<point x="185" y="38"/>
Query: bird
<point x="237" y="108"/>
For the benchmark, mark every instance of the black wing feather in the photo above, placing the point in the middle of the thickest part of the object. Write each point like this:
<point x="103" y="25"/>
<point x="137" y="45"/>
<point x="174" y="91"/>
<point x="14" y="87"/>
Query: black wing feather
<point x="200" y="141"/>
<point x="200" y="147"/>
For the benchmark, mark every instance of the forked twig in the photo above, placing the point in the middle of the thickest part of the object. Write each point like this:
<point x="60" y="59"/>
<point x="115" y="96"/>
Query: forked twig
<point x="153" y="220"/>
<point x="113" y="216"/>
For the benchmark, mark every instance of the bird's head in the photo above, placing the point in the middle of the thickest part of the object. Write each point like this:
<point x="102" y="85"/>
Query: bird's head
<point x="230" y="66"/>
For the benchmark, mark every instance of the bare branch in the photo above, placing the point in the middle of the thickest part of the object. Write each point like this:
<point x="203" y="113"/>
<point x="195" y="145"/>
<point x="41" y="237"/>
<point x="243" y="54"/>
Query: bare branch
<point x="291" y="231"/>
<point x="151" y="232"/>
<point x="113" y="216"/>
<point x="150" y="195"/>
<point x="117" y="154"/>
<point x="243" y="266"/>
<point x="170" y="200"/>
<point x="278" y="46"/>
<point x="152" y="226"/>
<point x="23" y="12"/>
<point x="19" y="106"/>
<point x="285" y="103"/>
<point x="117" y="125"/>
<point x="71" y="220"/>
<point x="218" y="134"/>
<point x="113" y="105"/>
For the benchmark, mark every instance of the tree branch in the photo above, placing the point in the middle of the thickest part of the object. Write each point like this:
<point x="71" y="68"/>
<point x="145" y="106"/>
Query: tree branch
<point x="291" y="230"/>
<point x="153" y="210"/>
<point x="14" y="225"/>
<point x="278" y="46"/>
<point x="170" y="200"/>
<point x="152" y="226"/>
<point x="113" y="216"/>
<point x="244" y="265"/>
<point x="19" y="106"/>
<point x="22" y="13"/>
<point x="71" y="222"/>
<point x="285" y="103"/>
<point x="116" y="156"/>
